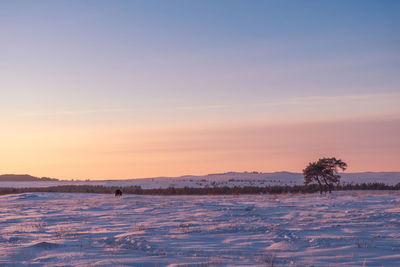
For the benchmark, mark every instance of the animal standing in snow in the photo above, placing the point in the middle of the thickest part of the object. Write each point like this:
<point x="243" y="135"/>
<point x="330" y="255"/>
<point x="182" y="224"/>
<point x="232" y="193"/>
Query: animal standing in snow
<point x="118" y="193"/>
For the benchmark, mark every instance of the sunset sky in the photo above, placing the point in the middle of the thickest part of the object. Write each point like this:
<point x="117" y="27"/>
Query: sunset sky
<point x="129" y="89"/>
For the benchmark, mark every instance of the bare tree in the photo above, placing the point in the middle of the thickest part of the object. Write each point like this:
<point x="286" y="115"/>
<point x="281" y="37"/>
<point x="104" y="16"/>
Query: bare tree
<point x="324" y="171"/>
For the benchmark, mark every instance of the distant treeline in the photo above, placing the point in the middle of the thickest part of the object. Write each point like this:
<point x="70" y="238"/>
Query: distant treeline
<point x="236" y="190"/>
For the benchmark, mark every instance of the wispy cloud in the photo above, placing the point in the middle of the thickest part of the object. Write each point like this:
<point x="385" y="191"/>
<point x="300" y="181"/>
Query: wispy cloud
<point x="340" y="106"/>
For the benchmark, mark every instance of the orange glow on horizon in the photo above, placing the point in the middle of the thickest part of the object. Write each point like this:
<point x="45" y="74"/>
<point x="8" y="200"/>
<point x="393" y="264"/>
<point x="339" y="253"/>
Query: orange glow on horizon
<point x="129" y="152"/>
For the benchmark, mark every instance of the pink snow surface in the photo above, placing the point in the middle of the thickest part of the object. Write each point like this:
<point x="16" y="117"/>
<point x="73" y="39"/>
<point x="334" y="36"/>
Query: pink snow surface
<point x="342" y="229"/>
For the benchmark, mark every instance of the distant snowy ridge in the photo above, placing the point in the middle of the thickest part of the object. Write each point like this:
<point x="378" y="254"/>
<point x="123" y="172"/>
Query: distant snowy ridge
<point x="282" y="177"/>
<point x="219" y="179"/>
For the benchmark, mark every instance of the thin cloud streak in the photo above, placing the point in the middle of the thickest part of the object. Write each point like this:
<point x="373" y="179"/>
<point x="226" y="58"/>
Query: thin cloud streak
<point x="346" y="100"/>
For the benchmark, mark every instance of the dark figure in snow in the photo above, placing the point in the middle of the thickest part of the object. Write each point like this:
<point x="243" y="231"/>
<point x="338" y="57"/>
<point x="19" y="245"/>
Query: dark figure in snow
<point x="118" y="193"/>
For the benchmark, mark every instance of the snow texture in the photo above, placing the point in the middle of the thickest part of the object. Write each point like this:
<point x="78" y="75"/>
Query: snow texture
<point x="348" y="228"/>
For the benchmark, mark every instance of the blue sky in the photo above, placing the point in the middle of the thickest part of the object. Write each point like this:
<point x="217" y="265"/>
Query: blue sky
<point x="146" y="64"/>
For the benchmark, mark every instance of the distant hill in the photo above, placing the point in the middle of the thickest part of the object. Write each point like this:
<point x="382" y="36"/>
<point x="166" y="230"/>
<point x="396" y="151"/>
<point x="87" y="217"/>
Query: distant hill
<point x="257" y="178"/>
<point x="23" y="178"/>
<point x="216" y="179"/>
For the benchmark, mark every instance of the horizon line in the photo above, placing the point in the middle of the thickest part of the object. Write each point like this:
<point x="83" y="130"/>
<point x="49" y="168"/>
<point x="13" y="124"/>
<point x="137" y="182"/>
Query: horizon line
<point x="188" y="175"/>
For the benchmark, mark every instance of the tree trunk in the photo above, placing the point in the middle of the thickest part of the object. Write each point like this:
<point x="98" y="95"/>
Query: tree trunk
<point x="329" y="187"/>
<point x="320" y="186"/>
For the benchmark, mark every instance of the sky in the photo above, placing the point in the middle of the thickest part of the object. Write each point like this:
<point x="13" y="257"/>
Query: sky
<point x="129" y="89"/>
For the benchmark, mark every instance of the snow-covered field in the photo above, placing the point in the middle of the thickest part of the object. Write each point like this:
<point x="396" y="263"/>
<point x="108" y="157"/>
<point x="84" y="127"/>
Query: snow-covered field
<point x="358" y="228"/>
<point x="220" y="179"/>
